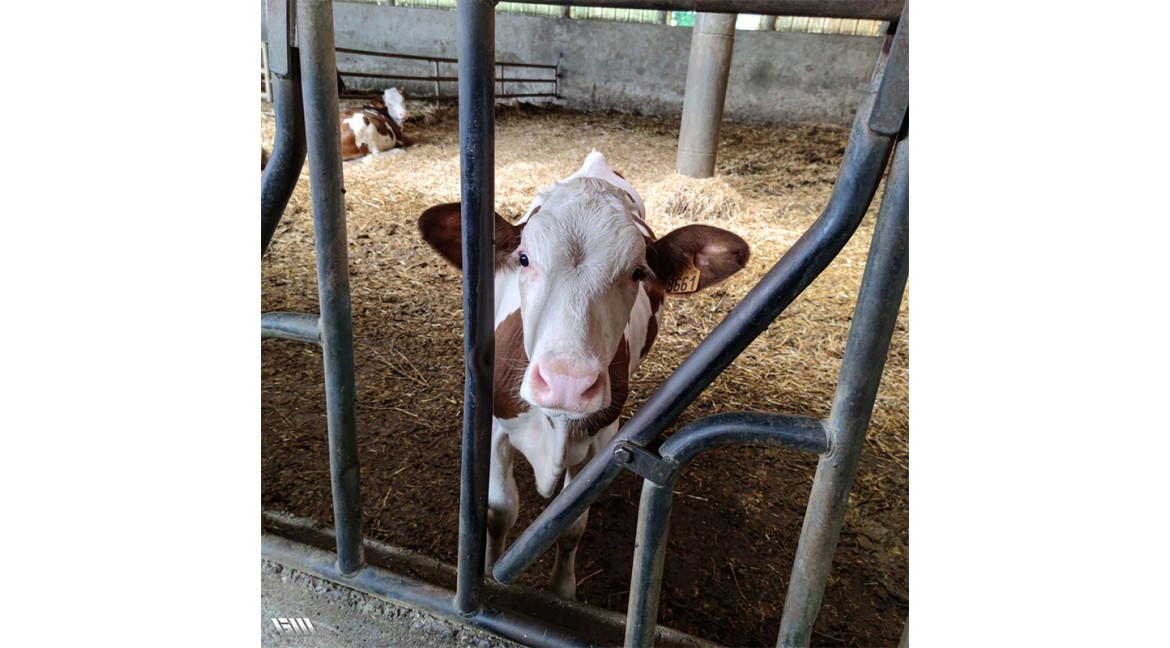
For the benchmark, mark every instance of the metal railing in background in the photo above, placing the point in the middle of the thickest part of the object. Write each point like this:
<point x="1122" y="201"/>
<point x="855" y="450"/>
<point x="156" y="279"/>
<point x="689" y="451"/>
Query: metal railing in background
<point x="524" y="75"/>
<point x="881" y="125"/>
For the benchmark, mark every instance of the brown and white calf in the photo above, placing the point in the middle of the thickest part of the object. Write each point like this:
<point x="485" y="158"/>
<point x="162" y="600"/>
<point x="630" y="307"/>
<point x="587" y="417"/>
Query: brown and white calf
<point x="374" y="128"/>
<point x="579" y="287"/>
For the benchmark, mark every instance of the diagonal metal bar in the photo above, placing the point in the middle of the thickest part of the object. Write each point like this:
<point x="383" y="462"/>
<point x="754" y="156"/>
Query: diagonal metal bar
<point x="865" y="159"/>
<point x="288" y="154"/>
<point x="874" y="318"/>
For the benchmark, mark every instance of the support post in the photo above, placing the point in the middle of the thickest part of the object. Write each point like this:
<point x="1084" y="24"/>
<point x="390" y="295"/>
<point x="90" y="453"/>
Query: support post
<point x="319" y="73"/>
<point x="710" y="62"/>
<point x="477" y="60"/>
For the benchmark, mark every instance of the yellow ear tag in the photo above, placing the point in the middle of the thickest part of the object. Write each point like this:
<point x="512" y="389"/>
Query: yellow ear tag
<point x="686" y="281"/>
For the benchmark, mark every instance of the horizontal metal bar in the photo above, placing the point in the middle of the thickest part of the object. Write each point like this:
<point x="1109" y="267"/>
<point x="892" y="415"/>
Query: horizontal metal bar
<point x="437" y="59"/>
<point x="754" y="428"/>
<point x="406" y="77"/>
<point x="865" y="9"/>
<point x="542" y="66"/>
<point x="409" y="57"/>
<point x="302" y="327"/>
<point x="412" y="593"/>
<point x="453" y="97"/>
<point x="598" y="625"/>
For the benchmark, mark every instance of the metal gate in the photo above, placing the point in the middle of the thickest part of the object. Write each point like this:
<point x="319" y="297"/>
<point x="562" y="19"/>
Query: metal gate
<point x="514" y="80"/>
<point x="301" y="56"/>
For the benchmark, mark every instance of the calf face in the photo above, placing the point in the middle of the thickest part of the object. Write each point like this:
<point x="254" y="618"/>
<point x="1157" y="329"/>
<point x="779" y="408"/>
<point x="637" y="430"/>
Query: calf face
<point x="580" y="261"/>
<point x="395" y="105"/>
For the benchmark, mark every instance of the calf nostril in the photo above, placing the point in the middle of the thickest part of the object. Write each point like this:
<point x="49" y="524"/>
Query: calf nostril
<point x="592" y="391"/>
<point x="540" y="381"/>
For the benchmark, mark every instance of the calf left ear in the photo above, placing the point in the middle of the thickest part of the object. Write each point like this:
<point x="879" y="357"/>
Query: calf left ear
<point x="713" y="254"/>
<point x="442" y="227"/>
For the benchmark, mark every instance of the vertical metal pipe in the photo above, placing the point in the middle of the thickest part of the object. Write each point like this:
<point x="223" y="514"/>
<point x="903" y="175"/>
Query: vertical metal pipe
<point x="319" y="73"/>
<point x="288" y="155"/>
<point x="649" y="554"/>
<point x="710" y="62"/>
<point x="874" y="318"/>
<point x="477" y="63"/>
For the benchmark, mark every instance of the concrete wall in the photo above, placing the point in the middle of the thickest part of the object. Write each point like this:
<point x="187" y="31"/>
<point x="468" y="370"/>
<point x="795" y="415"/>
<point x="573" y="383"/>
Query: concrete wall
<point x="776" y="77"/>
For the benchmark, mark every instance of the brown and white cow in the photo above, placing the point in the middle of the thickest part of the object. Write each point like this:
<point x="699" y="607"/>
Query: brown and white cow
<point x="374" y="128"/>
<point x="579" y="287"/>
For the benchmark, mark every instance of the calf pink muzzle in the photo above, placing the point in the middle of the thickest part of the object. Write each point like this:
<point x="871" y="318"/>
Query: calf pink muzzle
<point x="568" y="387"/>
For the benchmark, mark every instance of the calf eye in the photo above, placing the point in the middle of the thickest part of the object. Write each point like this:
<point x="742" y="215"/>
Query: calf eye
<point x="524" y="259"/>
<point x="639" y="273"/>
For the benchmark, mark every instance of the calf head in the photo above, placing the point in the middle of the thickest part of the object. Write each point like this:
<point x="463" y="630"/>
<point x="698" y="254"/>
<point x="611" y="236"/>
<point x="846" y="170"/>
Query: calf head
<point x="395" y="105"/>
<point x="580" y="260"/>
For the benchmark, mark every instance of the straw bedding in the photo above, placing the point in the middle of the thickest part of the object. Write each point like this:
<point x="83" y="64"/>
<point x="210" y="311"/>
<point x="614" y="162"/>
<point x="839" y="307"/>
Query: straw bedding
<point x="738" y="510"/>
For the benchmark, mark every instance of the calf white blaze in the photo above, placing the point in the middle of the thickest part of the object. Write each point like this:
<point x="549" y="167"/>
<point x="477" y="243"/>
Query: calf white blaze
<point x="576" y="293"/>
<point x="579" y="287"/>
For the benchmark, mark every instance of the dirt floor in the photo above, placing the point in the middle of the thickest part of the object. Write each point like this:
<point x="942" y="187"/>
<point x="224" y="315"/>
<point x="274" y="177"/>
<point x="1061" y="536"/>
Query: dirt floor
<point x="738" y="511"/>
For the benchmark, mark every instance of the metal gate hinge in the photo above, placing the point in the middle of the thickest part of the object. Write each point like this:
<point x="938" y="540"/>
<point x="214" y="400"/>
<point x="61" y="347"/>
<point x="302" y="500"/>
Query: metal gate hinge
<point x="644" y="463"/>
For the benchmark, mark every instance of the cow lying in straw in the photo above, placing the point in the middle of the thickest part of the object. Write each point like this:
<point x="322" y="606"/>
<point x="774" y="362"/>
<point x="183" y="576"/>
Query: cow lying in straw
<point x="376" y="128"/>
<point x="579" y="287"/>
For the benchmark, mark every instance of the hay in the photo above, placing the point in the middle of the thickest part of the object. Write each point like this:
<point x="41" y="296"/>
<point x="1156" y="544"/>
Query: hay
<point x="698" y="200"/>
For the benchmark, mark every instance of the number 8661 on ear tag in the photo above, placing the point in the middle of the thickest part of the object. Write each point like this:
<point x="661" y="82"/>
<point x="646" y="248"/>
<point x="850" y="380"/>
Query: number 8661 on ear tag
<point x="686" y="281"/>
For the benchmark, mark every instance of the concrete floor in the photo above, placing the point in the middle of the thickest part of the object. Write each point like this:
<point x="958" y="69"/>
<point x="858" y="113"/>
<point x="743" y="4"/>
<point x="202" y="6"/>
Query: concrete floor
<point x="342" y="617"/>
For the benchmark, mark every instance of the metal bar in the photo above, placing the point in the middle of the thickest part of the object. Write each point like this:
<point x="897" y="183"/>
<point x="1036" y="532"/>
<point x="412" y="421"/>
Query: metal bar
<point x="708" y="67"/>
<point x="281" y="23"/>
<point x="477" y="53"/>
<point x="409" y="57"/>
<point x="415" y="594"/>
<point x="600" y="626"/>
<point x="874" y="318"/>
<point x="406" y="77"/>
<point x="542" y="66"/>
<point x="403" y="77"/>
<point x="437" y="59"/>
<point x="865" y="157"/>
<point x="303" y="327"/>
<point x="288" y="155"/>
<point x="450" y="97"/>
<point x="322" y="121"/>
<point x="867" y="9"/>
<point x="893" y="98"/>
<point x="769" y="430"/>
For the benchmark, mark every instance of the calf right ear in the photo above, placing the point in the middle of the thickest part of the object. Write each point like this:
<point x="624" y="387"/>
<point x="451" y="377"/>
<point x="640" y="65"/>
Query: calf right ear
<point x="441" y="226"/>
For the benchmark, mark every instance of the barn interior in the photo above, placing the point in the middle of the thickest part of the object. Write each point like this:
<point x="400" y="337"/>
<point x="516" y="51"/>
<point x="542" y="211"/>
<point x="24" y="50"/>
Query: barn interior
<point x="619" y="88"/>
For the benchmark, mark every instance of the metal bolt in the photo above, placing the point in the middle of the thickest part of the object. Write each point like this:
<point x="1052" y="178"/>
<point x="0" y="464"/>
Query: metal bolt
<point x="623" y="455"/>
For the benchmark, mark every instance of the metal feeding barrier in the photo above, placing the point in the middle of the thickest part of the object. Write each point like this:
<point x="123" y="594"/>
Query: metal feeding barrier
<point x="301" y="57"/>
<point x="503" y="80"/>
